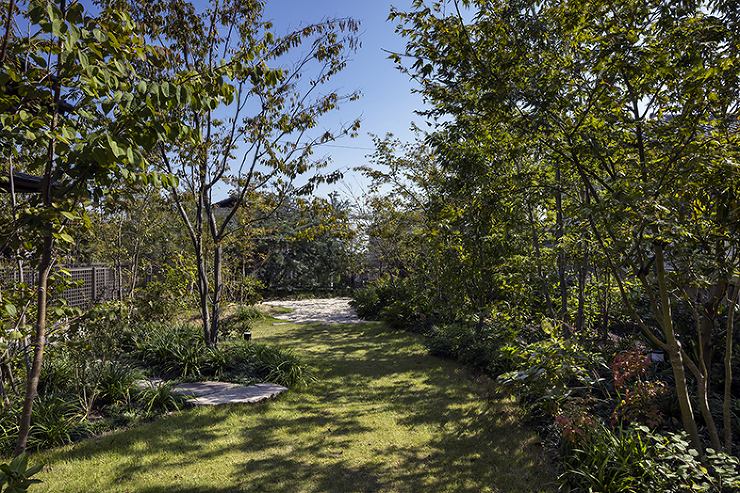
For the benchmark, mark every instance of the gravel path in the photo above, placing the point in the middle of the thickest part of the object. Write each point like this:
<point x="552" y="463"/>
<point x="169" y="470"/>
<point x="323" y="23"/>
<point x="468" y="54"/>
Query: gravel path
<point x="327" y="311"/>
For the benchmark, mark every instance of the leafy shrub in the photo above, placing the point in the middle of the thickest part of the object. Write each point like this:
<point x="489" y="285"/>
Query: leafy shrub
<point x="216" y="361"/>
<point x="638" y="399"/>
<point x="160" y="300"/>
<point x="17" y="474"/>
<point x="9" y="427"/>
<point x="99" y="329"/>
<point x="184" y="359"/>
<point x="251" y="290"/>
<point x="680" y="469"/>
<point x="367" y="302"/>
<point x="248" y="313"/>
<point x="381" y="294"/>
<point x="58" y="374"/>
<point x="635" y="460"/>
<point x="609" y="462"/>
<point x="547" y="372"/>
<point x="170" y="349"/>
<point x="478" y="346"/>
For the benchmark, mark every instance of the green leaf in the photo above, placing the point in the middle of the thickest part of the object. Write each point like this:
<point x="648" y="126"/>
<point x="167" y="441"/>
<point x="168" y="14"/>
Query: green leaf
<point x="64" y="237"/>
<point x="11" y="310"/>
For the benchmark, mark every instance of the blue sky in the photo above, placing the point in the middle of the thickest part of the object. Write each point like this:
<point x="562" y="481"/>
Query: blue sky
<point x="387" y="104"/>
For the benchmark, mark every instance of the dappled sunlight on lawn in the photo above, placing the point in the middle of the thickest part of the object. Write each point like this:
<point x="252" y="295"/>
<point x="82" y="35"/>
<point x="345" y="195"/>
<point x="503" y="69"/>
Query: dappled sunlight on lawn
<point x="383" y="417"/>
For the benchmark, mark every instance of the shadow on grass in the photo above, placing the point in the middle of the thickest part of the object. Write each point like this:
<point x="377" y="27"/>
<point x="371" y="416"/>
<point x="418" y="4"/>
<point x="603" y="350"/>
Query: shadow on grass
<point x="383" y="417"/>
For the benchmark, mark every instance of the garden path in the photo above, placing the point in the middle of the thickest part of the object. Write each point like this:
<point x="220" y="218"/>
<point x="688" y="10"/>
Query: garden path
<point x="325" y="311"/>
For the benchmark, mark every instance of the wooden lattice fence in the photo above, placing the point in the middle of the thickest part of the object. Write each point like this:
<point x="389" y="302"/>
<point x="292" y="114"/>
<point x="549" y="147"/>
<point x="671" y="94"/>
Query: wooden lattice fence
<point x="99" y="283"/>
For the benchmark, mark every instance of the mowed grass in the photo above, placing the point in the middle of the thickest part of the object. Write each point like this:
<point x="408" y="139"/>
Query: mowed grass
<point x="382" y="417"/>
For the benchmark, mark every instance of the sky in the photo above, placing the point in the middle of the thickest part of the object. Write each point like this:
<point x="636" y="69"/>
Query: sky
<point x="387" y="103"/>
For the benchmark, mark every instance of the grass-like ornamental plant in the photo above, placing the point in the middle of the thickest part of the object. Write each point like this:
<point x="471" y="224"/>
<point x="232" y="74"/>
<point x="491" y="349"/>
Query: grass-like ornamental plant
<point x="160" y="398"/>
<point x="55" y="421"/>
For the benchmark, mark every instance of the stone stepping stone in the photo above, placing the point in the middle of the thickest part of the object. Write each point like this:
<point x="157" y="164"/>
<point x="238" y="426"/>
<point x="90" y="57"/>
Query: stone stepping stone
<point x="220" y="393"/>
<point x="198" y="389"/>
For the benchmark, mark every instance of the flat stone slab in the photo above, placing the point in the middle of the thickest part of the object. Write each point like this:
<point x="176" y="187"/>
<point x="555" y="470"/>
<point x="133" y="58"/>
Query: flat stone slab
<point x="198" y="389"/>
<point x="239" y="395"/>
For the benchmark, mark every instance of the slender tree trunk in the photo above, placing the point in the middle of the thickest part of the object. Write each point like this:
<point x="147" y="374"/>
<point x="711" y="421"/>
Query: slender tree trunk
<point x="32" y="382"/>
<point x="582" y="276"/>
<point x="538" y="257"/>
<point x="11" y="379"/>
<point x="203" y="292"/>
<point x="726" y="408"/>
<point x="559" y="233"/>
<point x="217" y="294"/>
<point x="674" y="353"/>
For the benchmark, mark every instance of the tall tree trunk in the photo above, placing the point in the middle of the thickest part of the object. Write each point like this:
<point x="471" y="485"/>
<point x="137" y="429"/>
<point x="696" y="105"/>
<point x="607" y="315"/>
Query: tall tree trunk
<point x="559" y="233"/>
<point x="203" y="292"/>
<point x="538" y="257"/>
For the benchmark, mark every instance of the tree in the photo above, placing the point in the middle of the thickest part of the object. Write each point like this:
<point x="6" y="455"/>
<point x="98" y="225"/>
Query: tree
<point x="75" y="106"/>
<point x="637" y="104"/>
<point x="268" y="135"/>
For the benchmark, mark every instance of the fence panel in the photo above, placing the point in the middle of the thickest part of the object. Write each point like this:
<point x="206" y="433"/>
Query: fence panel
<point x="99" y="283"/>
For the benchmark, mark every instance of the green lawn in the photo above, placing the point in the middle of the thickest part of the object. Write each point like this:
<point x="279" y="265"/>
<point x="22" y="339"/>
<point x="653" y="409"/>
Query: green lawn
<point x="382" y="417"/>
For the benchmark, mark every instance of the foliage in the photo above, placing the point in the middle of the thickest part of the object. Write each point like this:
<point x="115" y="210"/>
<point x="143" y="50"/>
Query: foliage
<point x="373" y="298"/>
<point x="162" y="298"/>
<point x="115" y="383"/>
<point x="638" y="401"/>
<point x="606" y="132"/>
<point x="160" y="398"/>
<point x="547" y="372"/>
<point x="682" y="469"/>
<point x="56" y="421"/>
<point x="171" y="349"/>
<point x="272" y="364"/>
<point x="634" y="460"/>
<point x="396" y="301"/>
<point x="16" y="476"/>
<point x="610" y="462"/>
<point x="248" y="313"/>
<point x="477" y="345"/>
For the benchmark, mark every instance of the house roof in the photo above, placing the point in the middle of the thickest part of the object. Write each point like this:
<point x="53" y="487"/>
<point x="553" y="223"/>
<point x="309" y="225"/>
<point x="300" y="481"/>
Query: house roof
<point x="22" y="182"/>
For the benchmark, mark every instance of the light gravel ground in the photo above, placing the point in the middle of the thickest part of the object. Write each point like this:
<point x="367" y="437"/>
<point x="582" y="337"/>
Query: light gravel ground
<point x="328" y="311"/>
